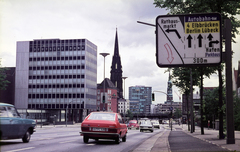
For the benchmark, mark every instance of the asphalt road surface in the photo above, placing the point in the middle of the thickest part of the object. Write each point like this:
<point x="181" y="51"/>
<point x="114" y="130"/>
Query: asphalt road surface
<point x="68" y="139"/>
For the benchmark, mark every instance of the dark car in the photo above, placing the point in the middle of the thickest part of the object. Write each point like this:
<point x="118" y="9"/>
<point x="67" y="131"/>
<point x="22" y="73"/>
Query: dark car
<point x="104" y="125"/>
<point x="12" y="126"/>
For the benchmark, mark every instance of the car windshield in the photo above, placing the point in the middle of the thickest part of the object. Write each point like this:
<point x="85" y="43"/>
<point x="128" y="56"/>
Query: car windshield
<point x="146" y="122"/>
<point x="102" y="116"/>
<point x="8" y="112"/>
<point x="134" y="122"/>
<point x="3" y="112"/>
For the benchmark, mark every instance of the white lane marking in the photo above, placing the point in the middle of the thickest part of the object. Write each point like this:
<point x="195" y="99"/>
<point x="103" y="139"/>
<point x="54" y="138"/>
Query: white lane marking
<point x="66" y="141"/>
<point x="20" y="149"/>
<point x="41" y="139"/>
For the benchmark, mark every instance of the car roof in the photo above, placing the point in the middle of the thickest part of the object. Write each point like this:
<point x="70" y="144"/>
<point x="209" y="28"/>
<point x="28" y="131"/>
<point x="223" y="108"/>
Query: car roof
<point x="5" y="104"/>
<point x="104" y="112"/>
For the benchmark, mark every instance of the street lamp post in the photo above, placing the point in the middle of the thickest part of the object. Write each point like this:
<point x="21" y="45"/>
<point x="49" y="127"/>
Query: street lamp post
<point x="104" y="55"/>
<point x="124" y="97"/>
<point x="124" y="85"/>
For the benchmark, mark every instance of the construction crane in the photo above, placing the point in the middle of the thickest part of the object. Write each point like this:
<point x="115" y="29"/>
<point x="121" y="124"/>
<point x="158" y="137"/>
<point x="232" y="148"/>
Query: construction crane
<point x="178" y="95"/>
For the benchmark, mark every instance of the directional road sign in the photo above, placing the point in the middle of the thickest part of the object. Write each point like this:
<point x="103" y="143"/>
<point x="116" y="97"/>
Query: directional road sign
<point x="188" y="40"/>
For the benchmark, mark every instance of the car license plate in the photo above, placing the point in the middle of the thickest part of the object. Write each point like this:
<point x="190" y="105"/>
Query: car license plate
<point x="98" y="129"/>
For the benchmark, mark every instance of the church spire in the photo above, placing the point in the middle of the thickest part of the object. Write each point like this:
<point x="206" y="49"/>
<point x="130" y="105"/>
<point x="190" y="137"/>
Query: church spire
<point x="116" y="68"/>
<point x="116" y="49"/>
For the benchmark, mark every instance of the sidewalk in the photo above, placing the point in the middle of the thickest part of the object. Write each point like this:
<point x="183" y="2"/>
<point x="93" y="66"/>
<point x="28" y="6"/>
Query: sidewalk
<point x="211" y="136"/>
<point x="182" y="140"/>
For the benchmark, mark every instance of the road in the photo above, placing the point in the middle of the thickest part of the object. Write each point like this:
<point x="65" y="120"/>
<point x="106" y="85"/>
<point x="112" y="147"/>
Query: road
<point x="67" y="139"/>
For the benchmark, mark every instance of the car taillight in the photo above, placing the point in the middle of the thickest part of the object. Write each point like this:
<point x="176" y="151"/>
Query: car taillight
<point x="112" y="130"/>
<point x="85" y="128"/>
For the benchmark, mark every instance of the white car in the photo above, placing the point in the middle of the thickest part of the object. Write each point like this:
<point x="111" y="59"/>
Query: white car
<point x="155" y="124"/>
<point x="146" y="125"/>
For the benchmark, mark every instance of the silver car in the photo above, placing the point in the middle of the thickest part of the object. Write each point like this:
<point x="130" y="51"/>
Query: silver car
<point x="146" y="125"/>
<point x="155" y="124"/>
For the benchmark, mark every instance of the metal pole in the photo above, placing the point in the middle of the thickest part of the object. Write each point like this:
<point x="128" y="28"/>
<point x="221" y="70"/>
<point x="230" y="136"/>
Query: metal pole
<point x="104" y="86"/>
<point x="125" y="99"/>
<point x="104" y="55"/>
<point x="66" y="114"/>
<point x="229" y="91"/>
<point x="191" y="100"/>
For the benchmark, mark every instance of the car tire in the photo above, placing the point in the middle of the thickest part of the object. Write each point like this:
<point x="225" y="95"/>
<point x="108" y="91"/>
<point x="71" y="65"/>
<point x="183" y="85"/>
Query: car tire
<point x="117" y="140"/>
<point x="85" y="139"/>
<point x="26" y="137"/>
<point x="124" y="138"/>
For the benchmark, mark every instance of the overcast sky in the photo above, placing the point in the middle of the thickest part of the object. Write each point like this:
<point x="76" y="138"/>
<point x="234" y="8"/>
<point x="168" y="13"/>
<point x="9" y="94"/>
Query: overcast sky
<point x="95" y="20"/>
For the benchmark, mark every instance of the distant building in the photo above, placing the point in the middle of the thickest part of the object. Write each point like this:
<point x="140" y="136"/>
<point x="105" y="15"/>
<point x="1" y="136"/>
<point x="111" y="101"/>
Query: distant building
<point x="165" y="108"/>
<point x="110" y="96"/>
<point x="123" y="106"/>
<point x="236" y="80"/>
<point x="134" y="106"/>
<point x="143" y="95"/>
<point x="53" y="75"/>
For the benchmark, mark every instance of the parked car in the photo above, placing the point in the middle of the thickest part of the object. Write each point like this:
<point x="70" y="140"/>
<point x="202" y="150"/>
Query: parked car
<point x="12" y="126"/>
<point x="145" y="124"/>
<point x="133" y="124"/>
<point x="104" y="125"/>
<point x="155" y="124"/>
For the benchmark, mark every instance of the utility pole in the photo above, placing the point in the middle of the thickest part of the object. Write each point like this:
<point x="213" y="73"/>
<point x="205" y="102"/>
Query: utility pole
<point x="229" y="91"/>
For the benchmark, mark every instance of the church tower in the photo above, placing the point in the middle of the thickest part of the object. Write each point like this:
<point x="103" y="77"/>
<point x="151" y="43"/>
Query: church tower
<point x="169" y="91"/>
<point x="116" y="69"/>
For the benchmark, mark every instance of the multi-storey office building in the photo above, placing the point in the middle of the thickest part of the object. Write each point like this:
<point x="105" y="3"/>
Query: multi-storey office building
<point x="56" y="75"/>
<point x="143" y="95"/>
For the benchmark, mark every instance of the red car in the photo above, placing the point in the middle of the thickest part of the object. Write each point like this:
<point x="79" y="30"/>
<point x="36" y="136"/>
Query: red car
<point x="104" y="125"/>
<point x="133" y="124"/>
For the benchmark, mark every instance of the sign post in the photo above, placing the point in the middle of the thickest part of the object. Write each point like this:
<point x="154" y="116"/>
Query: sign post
<point x="188" y="40"/>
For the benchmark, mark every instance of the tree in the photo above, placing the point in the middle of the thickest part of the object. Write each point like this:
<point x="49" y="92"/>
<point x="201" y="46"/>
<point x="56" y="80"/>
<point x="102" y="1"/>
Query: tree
<point x="129" y="114"/>
<point x="181" y="78"/>
<point x="236" y="112"/>
<point x="178" y="113"/>
<point x="211" y="99"/>
<point x="3" y="76"/>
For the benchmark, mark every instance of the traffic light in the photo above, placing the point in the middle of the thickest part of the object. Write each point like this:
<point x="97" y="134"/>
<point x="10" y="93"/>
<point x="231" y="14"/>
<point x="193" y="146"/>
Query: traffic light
<point x="103" y="98"/>
<point x="153" y="97"/>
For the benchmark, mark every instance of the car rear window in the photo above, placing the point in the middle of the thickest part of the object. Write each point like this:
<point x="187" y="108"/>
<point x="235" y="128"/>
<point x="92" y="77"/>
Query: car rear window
<point x="102" y="116"/>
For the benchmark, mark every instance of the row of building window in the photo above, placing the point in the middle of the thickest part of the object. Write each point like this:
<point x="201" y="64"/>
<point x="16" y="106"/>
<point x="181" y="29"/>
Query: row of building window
<point x="57" y="77"/>
<point x="57" y="58"/>
<point x="52" y="49"/>
<point x="52" y="96"/>
<point x="55" y="106"/>
<point x="56" y="41"/>
<point x="55" y="86"/>
<point x="57" y="67"/>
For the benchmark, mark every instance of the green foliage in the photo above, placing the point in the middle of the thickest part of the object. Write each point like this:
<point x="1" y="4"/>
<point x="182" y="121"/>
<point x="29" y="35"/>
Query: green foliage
<point x="3" y="76"/>
<point x="181" y="76"/>
<point x="130" y="115"/>
<point x="236" y="112"/>
<point x="178" y="113"/>
<point x="211" y="101"/>
<point x="227" y="9"/>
